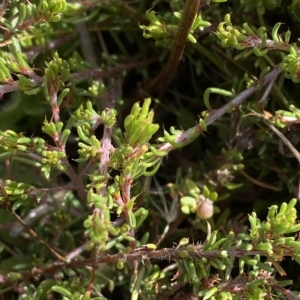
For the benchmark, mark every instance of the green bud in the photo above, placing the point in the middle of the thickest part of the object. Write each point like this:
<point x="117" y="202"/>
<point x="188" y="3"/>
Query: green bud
<point x="120" y="265"/>
<point x="21" y="147"/>
<point x="224" y="253"/>
<point x="151" y="246"/>
<point x="109" y="117"/>
<point x="183" y="242"/>
<point x="13" y="276"/>
<point x="183" y="253"/>
<point x="87" y="223"/>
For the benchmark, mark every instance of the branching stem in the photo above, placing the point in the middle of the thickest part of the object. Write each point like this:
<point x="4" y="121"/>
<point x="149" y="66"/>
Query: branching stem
<point x="31" y="231"/>
<point x="190" y="11"/>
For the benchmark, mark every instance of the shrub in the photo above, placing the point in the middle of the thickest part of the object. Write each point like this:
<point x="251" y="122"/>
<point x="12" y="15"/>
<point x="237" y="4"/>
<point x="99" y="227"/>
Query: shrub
<point x="136" y="139"/>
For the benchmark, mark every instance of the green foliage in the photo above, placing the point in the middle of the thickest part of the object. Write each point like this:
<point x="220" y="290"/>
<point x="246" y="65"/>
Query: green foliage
<point x="101" y="179"/>
<point x="261" y="5"/>
<point x="164" y="30"/>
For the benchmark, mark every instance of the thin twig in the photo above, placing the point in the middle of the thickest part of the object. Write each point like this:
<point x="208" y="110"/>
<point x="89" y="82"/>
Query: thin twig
<point x="169" y="254"/>
<point x="279" y="134"/>
<point x="97" y="73"/>
<point x="145" y="255"/>
<point x="259" y="183"/>
<point x="267" y="92"/>
<point x="31" y="232"/>
<point x="190" y="11"/>
<point x="105" y="159"/>
<point x="76" y="252"/>
<point x="185" y="136"/>
<point x="243" y="96"/>
<point x="86" y="44"/>
<point x="75" y="179"/>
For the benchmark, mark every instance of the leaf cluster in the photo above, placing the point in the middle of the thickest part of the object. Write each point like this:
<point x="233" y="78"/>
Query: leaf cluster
<point x="129" y="172"/>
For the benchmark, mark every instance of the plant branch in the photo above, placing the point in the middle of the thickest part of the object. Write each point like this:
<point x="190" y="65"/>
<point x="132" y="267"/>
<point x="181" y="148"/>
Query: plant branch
<point x="259" y="183"/>
<point x="185" y="136"/>
<point x="190" y="11"/>
<point x="145" y="254"/>
<point x="31" y="232"/>
<point x="243" y="96"/>
<point x="75" y="179"/>
<point x="267" y="92"/>
<point x="291" y="147"/>
<point x="104" y="162"/>
<point x="97" y="73"/>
